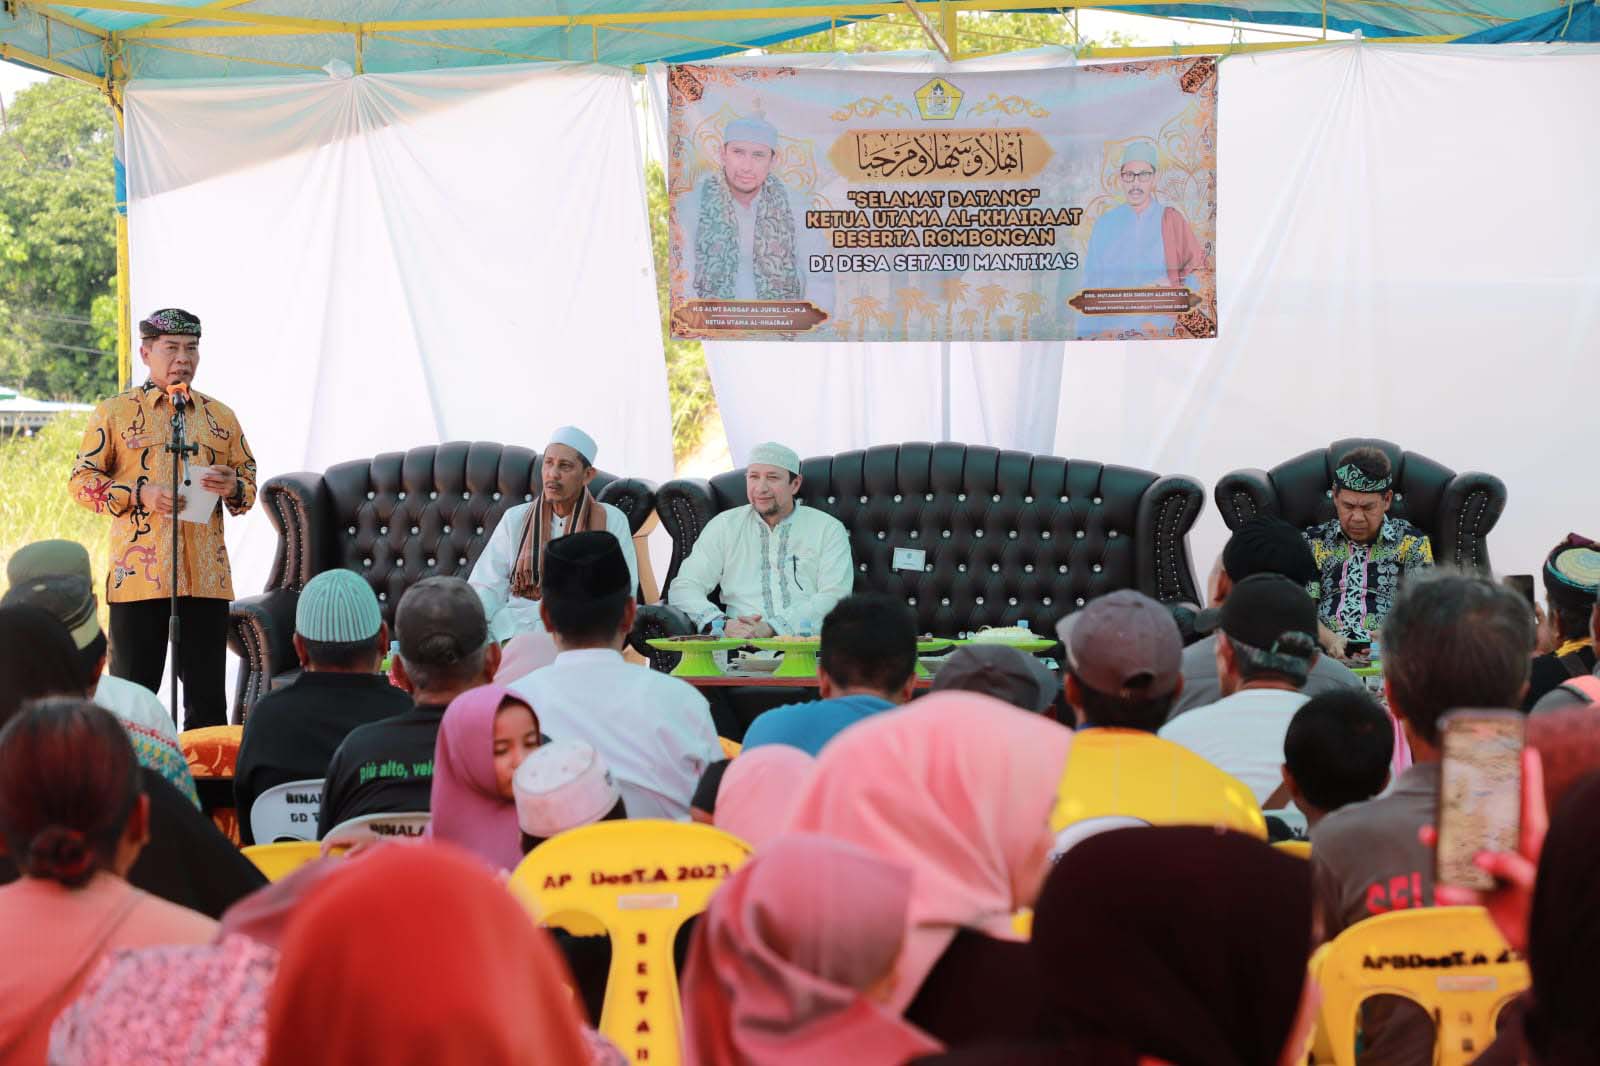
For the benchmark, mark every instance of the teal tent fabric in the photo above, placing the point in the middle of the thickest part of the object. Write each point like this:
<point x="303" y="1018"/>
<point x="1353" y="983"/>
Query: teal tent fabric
<point x="1580" y="22"/>
<point x="30" y="28"/>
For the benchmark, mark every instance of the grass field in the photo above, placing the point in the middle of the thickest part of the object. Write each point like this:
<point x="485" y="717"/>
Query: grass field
<point x="35" y="503"/>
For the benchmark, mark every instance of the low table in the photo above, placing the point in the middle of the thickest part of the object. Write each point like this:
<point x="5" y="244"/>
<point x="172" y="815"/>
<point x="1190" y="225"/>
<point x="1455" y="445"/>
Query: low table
<point x="757" y="679"/>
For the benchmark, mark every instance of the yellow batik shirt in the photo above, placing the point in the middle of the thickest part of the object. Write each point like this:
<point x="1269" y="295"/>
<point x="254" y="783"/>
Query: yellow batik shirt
<point x="124" y="448"/>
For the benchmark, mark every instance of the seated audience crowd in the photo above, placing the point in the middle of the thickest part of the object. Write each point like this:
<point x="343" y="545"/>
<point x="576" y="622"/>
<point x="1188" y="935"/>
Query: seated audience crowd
<point x="900" y="840"/>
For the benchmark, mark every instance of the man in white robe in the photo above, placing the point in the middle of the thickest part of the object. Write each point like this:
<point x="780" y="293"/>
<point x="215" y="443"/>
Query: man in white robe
<point x="506" y="575"/>
<point x="653" y="730"/>
<point x="781" y="565"/>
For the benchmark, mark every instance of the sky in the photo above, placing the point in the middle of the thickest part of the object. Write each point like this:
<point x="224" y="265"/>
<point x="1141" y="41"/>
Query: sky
<point x="14" y="78"/>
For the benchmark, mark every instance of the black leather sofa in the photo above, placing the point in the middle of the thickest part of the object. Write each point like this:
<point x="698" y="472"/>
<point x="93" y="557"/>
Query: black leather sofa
<point x="395" y="519"/>
<point x="1457" y="511"/>
<point x="1008" y="536"/>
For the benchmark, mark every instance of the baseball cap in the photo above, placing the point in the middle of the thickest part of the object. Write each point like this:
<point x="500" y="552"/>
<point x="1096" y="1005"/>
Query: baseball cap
<point x="440" y="622"/>
<point x="1123" y="643"/>
<point x="1260" y="610"/>
<point x="1004" y="673"/>
<point x="54" y="575"/>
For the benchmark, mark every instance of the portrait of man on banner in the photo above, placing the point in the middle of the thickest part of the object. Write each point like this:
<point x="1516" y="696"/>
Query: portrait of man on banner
<point x="742" y="228"/>
<point x="1139" y="244"/>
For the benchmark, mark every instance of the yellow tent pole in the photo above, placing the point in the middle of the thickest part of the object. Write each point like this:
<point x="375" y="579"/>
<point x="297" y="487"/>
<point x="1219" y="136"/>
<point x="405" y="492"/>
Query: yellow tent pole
<point x="124" y="299"/>
<point x="124" y="306"/>
<point x="951" y="20"/>
<point x="8" y="51"/>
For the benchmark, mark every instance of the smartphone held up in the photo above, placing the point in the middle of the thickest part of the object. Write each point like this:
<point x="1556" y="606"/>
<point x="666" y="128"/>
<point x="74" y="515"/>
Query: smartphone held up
<point x="1480" y="792"/>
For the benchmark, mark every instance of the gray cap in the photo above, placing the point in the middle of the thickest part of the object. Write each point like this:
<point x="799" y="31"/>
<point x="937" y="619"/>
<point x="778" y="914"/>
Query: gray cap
<point x="1004" y="673"/>
<point x="440" y="622"/>
<point x="1124" y="643"/>
<point x="55" y="575"/>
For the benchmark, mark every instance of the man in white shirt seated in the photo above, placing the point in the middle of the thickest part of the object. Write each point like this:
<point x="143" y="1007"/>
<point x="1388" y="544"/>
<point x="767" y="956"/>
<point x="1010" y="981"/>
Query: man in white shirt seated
<point x="506" y="576"/>
<point x="653" y="730"/>
<point x="1268" y="646"/>
<point x="781" y="565"/>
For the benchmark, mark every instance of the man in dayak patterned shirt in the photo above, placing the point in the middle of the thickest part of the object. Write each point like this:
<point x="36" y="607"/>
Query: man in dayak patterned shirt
<point x="1363" y="554"/>
<point x="124" y="470"/>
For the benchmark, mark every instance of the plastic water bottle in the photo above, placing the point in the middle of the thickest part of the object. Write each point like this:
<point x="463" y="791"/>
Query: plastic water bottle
<point x="1375" y="653"/>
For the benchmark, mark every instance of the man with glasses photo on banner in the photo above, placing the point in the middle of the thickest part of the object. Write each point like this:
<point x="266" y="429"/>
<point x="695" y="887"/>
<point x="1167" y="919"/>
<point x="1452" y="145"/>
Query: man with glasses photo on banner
<point x="1139" y="245"/>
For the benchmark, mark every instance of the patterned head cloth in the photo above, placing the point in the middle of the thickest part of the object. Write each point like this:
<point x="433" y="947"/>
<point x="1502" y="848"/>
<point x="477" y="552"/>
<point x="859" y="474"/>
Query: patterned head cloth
<point x="754" y="129"/>
<point x="172" y="321"/>
<point x="1572" y="572"/>
<point x="771" y="453"/>
<point x="1362" y="471"/>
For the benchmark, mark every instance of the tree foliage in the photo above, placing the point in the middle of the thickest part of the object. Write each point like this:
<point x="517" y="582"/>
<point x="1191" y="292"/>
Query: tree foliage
<point x="58" y="243"/>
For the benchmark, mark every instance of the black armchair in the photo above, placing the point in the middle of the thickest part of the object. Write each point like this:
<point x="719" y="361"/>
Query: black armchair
<point x="1009" y="536"/>
<point x="395" y="519"/>
<point x="1457" y="511"/>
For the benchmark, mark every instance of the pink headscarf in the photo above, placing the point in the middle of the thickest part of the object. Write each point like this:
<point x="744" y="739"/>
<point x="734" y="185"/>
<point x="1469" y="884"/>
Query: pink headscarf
<point x="759" y="790"/>
<point x="778" y="964"/>
<point x="525" y="653"/>
<point x="959" y="786"/>
<point x="467" y="808"/>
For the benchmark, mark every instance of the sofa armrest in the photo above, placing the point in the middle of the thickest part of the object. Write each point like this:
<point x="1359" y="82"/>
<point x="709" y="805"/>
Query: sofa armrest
<point x="652" y="622"/>
<point x="1243" y="495"/>
<point x="685" y="506"/>
<point x="297" y="506"/>
<point x="261" y="633"/>
<point x="1471" y="505"/>
<point x="634" y="497"/>
<point x="1167" y="511"/>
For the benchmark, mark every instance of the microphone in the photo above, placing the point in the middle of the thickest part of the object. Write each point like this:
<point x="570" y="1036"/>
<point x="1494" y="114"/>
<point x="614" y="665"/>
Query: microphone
<point x="178" y="393"/>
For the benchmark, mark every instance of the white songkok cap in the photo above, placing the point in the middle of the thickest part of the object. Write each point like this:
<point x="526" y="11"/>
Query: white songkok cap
<point x="563" y="784"/>
<point x="774" y="454"/>
<point x="578" y="441"/>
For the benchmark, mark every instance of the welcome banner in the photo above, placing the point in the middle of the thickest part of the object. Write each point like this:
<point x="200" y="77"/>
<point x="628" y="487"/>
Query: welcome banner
<point x="1054" y="204"/>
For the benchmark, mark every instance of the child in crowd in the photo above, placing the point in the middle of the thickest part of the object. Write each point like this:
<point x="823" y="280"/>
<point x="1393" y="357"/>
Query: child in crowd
<point x="1337" y="752"/>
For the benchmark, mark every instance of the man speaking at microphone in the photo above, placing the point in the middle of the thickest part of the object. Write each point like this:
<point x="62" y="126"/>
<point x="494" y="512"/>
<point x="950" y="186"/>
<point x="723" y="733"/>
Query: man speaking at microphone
<point x="124" y="470"/>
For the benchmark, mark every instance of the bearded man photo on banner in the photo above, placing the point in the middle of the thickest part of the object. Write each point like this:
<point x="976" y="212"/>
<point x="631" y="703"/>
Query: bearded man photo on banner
<point x="123" y="470"/>
<point x="742" y="225"/>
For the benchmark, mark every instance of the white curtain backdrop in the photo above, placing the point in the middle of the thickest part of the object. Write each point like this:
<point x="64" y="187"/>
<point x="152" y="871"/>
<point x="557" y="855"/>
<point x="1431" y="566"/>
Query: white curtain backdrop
<point x="390" y="261"/>
<point x="1406" y="250"/>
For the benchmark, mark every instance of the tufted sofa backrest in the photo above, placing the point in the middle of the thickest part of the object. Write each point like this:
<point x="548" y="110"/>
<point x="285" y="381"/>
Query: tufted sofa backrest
<point x="1305" y="491"/>
<point x="403" y="516"/>
<point x="1007" y="536"/>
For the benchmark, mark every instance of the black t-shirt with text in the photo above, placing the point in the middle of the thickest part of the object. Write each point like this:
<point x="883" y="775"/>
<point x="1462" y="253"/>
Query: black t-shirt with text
<point x="292" y="732"/>
<point x="382" y="768"/>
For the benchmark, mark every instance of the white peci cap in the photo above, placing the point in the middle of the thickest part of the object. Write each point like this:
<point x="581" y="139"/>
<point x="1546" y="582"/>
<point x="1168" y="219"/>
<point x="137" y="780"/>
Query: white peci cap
<point x="578" y="441"/>
<point x="562" y="785"/>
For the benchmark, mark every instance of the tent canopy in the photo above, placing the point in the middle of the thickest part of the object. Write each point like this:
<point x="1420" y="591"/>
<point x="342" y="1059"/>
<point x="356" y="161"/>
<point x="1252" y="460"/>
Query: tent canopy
<point x="118" y="40"/>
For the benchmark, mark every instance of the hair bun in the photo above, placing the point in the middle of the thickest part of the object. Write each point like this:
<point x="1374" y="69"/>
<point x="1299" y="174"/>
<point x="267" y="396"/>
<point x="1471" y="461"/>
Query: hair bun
<point x="60" y="854"/>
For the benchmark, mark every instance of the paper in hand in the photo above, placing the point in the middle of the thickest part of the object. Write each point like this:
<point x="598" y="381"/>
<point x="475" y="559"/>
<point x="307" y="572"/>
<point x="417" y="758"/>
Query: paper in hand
<point x="198" y="502"/>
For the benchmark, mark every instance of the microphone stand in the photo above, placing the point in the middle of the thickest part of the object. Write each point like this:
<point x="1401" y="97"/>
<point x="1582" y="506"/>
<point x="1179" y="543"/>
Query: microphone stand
<point x="179" y="448"/>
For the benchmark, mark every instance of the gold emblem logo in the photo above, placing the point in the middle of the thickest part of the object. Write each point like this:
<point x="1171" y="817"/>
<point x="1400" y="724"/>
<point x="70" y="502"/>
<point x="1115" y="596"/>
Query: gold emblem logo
<point x="939" y="100"/>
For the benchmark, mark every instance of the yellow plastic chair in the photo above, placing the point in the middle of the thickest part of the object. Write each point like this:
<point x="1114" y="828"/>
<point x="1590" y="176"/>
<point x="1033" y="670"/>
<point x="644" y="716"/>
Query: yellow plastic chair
<point x="1129" y="773"/>
<point x="641" y="880"/>
<point x="278" y="861"/>
<point x="1451" y="961"/>
<point x="1300" y="849"/>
